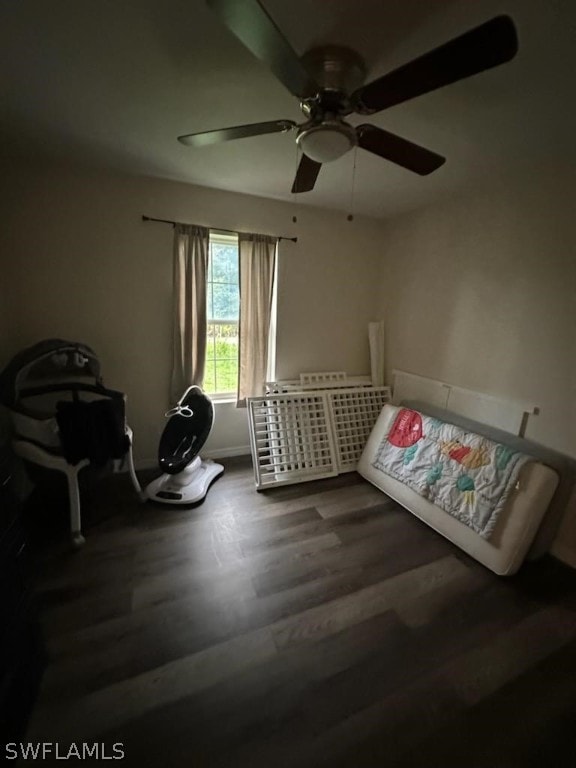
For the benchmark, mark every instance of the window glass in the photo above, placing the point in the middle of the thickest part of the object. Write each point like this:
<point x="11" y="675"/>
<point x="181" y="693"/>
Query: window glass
<point x="223" y="308"/>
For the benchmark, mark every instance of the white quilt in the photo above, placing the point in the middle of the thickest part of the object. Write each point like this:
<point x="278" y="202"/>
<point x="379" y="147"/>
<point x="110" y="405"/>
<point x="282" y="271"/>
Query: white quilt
<point x="468" y="476"/>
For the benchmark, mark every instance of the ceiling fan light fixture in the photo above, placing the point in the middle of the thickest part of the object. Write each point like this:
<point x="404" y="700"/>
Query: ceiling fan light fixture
<point x="326" y="142"/>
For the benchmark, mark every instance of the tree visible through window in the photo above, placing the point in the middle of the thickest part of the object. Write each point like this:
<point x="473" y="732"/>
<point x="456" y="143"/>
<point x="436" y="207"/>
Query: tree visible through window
<point x="223" y="308"/>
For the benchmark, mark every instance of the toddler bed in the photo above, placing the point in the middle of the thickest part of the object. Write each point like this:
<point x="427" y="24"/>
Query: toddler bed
<point x="485" y="496"/>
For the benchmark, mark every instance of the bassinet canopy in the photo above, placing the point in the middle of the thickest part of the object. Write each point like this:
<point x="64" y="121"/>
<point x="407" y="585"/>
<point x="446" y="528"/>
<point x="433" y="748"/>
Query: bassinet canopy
<point x="50" y="360"/>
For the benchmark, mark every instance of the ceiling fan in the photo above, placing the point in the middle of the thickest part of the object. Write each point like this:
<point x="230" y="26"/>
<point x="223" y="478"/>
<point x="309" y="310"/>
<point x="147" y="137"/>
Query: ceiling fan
<point x="328" y="82"/>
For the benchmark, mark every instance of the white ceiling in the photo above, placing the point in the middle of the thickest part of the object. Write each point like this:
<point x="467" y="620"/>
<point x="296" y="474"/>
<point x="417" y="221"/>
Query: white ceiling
<point x="115" y="81"/>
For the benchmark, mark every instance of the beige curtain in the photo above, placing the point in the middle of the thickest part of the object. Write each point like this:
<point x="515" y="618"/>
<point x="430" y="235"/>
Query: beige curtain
<point x="257" y="268"/>
<point x="190" y="267"/>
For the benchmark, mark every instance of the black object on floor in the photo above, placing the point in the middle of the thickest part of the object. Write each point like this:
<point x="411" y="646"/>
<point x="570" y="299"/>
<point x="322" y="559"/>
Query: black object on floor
<point x="22" y="656"/>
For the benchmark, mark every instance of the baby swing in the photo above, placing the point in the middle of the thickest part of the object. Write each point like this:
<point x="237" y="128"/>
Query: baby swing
<point x="186" y="477"/>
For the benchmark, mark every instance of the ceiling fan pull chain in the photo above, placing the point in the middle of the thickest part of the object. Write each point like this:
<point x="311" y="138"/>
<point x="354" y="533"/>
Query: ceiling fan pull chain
<point x="350" y="216"/>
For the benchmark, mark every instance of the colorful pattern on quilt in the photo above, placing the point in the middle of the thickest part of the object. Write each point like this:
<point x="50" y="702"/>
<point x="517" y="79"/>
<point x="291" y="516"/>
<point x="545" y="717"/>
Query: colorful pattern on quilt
<point x="463" y="473"/>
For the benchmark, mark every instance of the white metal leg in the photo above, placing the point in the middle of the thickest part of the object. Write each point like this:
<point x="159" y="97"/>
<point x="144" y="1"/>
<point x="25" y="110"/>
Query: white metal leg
<point x="37" y="455"/>
<point x="131" y="469"/>
<point x="74" y="500"/>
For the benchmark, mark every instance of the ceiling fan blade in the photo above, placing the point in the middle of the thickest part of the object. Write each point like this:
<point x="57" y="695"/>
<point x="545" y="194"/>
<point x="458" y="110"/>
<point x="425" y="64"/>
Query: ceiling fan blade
<point x="306" y="175"/>
<point x="252" y="25"/>
<point x="398" y="150"/>
<point x="483" y="47"/>
<point x="237" y="132"/>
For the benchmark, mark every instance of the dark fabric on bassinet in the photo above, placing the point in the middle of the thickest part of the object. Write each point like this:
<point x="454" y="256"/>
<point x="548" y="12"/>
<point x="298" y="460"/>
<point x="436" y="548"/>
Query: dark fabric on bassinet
<point x="92" y="430"/>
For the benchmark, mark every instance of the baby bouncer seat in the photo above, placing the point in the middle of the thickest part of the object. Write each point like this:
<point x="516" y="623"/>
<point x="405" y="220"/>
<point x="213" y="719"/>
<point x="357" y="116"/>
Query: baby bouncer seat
<point x="63" y="416"/>
<point x="186" y="477"/>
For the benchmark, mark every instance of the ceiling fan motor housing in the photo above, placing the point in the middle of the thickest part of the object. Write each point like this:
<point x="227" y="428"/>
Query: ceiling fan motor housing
<point x="335" y="68"/>
<point x="337" y="71"/>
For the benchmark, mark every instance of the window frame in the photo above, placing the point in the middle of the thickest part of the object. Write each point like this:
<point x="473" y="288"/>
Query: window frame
<point x="222" y="238"/>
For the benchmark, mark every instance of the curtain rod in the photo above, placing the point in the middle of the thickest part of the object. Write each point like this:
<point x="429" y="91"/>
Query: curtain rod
<point x="218" y="229"/>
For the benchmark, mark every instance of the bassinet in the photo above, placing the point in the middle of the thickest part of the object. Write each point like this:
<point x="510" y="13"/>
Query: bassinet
<point x="63" y="416"/>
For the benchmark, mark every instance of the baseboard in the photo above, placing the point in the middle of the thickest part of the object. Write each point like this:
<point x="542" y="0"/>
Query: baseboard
<point x="217" y="453"/>
<point x="224" y="453"/>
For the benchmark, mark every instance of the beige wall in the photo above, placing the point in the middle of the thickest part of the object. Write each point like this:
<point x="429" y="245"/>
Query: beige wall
<point x="80" y="264"/>
<point x="481" y="292"/>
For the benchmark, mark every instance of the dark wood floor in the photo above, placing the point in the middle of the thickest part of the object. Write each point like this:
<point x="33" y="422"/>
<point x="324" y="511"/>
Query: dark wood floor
<point x="313" y="625"/>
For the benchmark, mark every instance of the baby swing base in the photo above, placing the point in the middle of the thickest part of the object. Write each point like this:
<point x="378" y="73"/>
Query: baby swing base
<point x="189" y="486"/>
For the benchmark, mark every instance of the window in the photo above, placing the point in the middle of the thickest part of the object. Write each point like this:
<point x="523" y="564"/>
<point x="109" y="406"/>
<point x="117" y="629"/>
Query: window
<point x="223" y="310"/>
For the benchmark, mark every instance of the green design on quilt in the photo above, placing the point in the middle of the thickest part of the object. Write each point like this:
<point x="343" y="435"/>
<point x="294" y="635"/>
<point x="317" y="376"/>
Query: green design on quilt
<point x="435" y="474"/>
<point x="465" y="483"/>
<point x="503" y="456"/>
<point x="409" y="454"/>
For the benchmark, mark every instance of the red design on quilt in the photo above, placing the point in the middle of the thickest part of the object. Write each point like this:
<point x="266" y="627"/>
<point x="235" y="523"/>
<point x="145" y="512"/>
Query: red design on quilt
<point x="459" y="453"/>
<point x="406" y="430"/>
